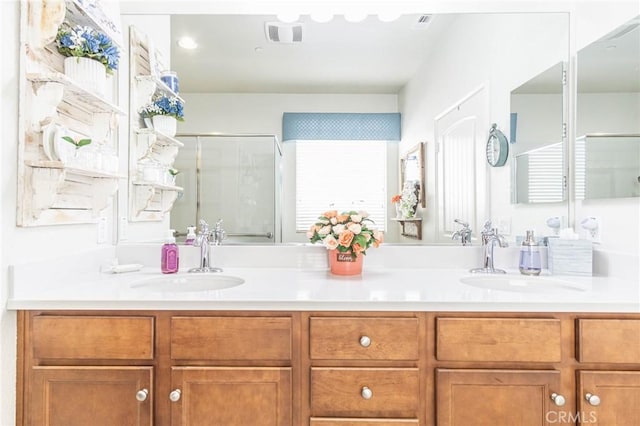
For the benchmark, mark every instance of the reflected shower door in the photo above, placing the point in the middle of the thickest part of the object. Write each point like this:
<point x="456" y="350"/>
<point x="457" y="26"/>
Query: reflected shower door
<point x="236" y="178"/>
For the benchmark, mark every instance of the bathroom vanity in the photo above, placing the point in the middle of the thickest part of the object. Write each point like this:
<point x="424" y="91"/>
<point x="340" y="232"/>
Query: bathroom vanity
<point x="325" y="368"/>
<point x="298" y="346"/>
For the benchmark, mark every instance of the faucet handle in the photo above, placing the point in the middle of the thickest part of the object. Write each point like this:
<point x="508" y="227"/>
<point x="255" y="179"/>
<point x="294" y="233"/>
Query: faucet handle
<point x="463" y="224"/>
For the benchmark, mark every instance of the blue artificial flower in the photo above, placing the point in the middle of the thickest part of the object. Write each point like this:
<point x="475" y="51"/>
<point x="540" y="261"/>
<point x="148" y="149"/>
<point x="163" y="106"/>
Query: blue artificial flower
<point x="86" y="42"/>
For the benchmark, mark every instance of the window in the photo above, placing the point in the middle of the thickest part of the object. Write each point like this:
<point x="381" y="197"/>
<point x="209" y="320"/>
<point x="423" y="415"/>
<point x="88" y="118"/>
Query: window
<point x="340" y="175"/>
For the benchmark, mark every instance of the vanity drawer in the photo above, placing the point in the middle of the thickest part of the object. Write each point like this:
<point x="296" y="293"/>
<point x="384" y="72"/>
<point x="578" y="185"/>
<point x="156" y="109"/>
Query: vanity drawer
<point x="364" y="338"/>
<point x="231" y="338"/>
<point x="92" y="337"/>
<point x="609" y="340"/>
<point x="498" y="339"/>
<point x="343" y="392"/>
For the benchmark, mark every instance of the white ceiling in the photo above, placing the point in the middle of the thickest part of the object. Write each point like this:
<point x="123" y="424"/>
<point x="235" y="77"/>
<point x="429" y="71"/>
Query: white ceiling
<point x="235" y="56"/>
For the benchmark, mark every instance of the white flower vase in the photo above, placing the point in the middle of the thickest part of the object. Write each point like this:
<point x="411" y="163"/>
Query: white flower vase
<point x="398" y="211"/>
<point x="165" y="124"/>
<point x="87" y="73"/>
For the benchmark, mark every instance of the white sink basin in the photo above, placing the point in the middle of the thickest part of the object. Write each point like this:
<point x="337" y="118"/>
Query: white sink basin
<point x="188" y="282"/>
<point x="521" y="283"/>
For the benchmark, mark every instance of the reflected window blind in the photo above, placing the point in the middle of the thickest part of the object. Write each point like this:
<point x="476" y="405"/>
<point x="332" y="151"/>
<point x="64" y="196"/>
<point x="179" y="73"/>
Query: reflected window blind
<point x="545" y="175"/>
<point x="340" y="175"/>
<point x="340" y="126"/>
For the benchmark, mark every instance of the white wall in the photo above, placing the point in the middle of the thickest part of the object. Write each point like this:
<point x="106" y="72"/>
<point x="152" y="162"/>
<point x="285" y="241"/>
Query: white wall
<point x="262" y="113"/>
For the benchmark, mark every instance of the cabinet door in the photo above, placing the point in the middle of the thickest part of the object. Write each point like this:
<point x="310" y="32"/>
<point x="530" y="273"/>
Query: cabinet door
<point x="609" y="398"/>
<point x="231" y="396"/>
<point x="96" y="396"/>
<point x="495" y="397"/>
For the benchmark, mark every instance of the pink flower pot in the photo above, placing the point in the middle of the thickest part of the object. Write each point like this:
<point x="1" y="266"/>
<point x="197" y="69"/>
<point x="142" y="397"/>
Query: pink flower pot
<point x="344" y="264"/>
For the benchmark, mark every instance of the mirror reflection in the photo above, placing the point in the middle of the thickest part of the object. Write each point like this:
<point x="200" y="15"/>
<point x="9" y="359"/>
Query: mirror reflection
<point x="246" y="82"/>
<point x="536" y="138"/>
<point x="608" y="106"/>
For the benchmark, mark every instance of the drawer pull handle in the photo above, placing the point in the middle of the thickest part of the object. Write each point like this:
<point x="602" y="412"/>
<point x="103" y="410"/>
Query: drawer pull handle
<point x="558" y="399"/>
<point x="366" y="392"/>
<point x="142" y="395"/>
<point x="175" y="395"/>
<point x="365" y="341"/>
<point x="592" y="399"/>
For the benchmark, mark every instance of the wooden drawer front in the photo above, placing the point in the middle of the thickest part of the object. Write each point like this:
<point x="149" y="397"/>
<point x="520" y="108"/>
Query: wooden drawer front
<point x="340" y="338"/>
<point x="338" y="392"/>
<point x="609" y="340"/>
<point x="363" y="422"/>
<point x="91" y="337"/>
<point x="231" y="338"/>
<point x="498" y="339"/>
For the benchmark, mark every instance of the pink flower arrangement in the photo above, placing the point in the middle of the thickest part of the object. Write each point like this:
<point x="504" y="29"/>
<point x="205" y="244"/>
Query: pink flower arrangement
<point x="346" y="232"/>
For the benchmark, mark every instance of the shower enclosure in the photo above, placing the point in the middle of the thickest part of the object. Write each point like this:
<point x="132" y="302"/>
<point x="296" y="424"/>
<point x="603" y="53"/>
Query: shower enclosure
<point x="233" y="177"/>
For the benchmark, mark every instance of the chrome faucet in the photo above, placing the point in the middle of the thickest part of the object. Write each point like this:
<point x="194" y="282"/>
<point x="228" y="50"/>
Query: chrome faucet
<point x="490" y="237"/>
<point x="464" y="234"/>
<point x="205" y="237"/>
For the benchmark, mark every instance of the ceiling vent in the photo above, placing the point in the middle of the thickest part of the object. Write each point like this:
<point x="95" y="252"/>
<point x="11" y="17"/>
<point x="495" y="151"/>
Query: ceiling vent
<point x="279" y="32"/>
<point x="423" y="22"/>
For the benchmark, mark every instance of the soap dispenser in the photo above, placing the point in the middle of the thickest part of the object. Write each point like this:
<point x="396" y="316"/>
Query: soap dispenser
<point x="530" y="256"/>
<point x="191" y="236"/>
<point x="169" y="261"/>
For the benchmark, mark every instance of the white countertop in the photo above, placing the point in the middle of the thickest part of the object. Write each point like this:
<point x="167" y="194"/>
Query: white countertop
<point x="379" y="288"/>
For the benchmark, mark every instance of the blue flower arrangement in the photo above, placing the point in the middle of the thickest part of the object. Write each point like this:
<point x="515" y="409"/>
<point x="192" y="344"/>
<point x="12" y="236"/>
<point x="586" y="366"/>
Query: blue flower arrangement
<point x="163" y="105"/>
<point x="85" y="42"/>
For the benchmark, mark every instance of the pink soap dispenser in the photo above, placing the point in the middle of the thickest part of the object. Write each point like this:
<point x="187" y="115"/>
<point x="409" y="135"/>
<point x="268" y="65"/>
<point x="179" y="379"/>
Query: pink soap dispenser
<point x="169" y="261"/>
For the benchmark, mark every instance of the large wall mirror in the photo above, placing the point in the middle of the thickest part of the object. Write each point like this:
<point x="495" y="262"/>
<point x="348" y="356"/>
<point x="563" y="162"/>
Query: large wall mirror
<point x="238" y="81"/>
<point x="537" y="117"/>
<point x="607" y="112"/>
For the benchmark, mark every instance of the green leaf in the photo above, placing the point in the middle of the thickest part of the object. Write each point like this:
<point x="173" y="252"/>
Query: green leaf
<point x="69" y="139"/>
<point x="83" y="142"/>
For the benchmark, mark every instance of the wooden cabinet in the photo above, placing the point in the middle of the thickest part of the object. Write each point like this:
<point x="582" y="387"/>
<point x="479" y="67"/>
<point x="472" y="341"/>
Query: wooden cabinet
<point x="181" y="368"/>
<point x="231" y="396"/>
<point x="609" y="397"/>
<point x="157" y="368"/>
<point x="97" y="396"/>
<point x="608" y="385"/>
<point x="364" y="370"/>
<point x="495" y="397"/>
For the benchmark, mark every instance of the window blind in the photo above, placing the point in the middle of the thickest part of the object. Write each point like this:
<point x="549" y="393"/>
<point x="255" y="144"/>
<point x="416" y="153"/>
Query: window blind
<point x="340" y="175"/>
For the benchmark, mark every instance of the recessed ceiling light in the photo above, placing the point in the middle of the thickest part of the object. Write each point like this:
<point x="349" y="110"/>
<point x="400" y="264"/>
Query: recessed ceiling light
<point x="187" y="43"/>
<point x="388" y="16"/>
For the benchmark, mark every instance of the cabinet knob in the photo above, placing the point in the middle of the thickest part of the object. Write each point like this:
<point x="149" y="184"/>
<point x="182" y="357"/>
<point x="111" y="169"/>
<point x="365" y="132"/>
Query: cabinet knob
<point x="366" y="392"/>
<point x="592" y="399"/>
<point x="558" y="399"/>
<point x="365" y="341"/>
<point x="142" y="395"/>
<point x="175" y="395"/>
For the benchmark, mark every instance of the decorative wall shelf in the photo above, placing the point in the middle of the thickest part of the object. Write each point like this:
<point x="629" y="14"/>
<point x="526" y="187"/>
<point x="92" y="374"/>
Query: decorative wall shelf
<point x="148" y="201"/>
<point x="151" y="200"/>
<point x="76" y="95"/>
<point x="50" y="192"/>
<point x="411" y="227"/>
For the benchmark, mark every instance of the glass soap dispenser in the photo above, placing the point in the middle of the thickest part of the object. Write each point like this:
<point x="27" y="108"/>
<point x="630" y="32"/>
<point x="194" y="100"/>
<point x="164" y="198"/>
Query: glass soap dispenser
<point x="530" y="256"/>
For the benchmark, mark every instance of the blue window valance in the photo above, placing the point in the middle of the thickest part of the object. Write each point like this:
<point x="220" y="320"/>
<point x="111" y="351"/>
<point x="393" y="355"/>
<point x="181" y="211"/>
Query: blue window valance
<point x="340" y="126"/>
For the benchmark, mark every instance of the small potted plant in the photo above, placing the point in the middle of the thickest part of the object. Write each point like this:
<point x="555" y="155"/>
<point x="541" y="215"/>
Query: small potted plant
<point x="164" y="112"/>
<point x="347" y="236"/>
<point x="91" y="55"/>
